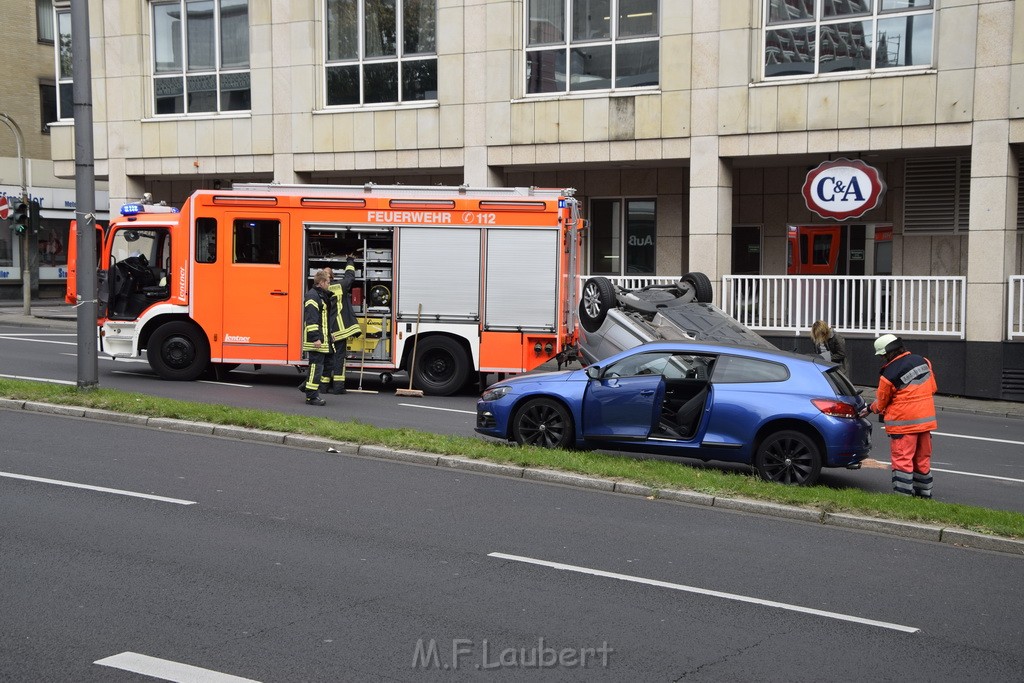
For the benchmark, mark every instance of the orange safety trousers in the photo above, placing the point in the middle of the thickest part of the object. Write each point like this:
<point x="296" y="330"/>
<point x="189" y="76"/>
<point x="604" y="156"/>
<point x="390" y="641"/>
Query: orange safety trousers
<point x="912" y="463"/>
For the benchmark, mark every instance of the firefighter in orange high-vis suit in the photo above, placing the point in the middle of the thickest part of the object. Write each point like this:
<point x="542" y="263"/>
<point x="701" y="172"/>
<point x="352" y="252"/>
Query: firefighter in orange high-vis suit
<point x="904" y="400"/>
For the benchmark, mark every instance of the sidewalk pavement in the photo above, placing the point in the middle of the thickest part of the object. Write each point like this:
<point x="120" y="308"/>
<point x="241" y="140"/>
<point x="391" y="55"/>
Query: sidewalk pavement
<point x="56" y="313"/>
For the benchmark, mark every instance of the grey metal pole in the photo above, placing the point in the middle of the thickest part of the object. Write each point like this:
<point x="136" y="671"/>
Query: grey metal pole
<point x="26" y="269"/>
<point x="85" y="197"/>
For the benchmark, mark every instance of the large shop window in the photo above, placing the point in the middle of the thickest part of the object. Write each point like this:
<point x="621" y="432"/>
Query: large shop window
<point x="578" y="45"/>
<point x="201" y="57"/>
<point x="622" y="236"/>
<point x="822" y="37"/>
<point x="380" y="51"/>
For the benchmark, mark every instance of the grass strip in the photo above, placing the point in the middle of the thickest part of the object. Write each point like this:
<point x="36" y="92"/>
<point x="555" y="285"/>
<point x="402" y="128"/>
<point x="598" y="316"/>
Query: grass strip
<point x="659" y="474"/>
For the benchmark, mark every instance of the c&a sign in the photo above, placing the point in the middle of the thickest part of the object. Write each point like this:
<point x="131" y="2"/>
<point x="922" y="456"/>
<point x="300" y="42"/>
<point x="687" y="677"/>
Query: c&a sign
<point x="844" y="188"/>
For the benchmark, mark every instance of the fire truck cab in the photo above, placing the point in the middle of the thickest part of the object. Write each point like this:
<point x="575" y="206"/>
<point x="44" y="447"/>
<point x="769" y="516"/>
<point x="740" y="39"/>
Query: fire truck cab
<point x="486" y="278"/>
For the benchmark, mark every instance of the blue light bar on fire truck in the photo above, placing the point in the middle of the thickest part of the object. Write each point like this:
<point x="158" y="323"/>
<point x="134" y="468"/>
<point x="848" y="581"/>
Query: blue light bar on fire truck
<point x="136" y="208"/>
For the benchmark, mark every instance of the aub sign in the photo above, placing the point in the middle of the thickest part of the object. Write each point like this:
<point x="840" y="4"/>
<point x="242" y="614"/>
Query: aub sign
<point x="844" y="188"/>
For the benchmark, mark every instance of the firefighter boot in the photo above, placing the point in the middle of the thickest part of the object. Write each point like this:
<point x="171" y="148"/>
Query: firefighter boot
<point x="313" y="399"/>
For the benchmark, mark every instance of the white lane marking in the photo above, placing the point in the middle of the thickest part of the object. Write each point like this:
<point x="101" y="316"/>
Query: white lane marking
<point x="447" y="410"/>
<point x="36" y="334"/>
<point x="10" y="337"/>
<point x="979" y="438"/>
<point x="132" y="372"/>
<point x="167" y="670"/>
<point x="224" y="384"/>
<point x="984" y="476"/>
<point x="40" y="379"/>
<point x="101" y="489"/>
<point x="704" y="591"/>
<point x="883" y="464"/>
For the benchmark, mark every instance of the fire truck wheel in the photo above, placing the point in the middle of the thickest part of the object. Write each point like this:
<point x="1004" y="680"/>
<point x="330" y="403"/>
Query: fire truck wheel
<point x="543" y="422"/>
<point x="178" y="351"/>
<point x="441" y="366"/>
<point x="699" y="284"/>
<point x="598" y="297"/>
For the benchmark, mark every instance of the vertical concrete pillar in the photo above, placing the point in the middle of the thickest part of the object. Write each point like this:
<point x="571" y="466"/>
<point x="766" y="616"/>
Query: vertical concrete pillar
<point x="711" y="178"/>
<point x="711" y="181"/>
<point x="993" y="225"/>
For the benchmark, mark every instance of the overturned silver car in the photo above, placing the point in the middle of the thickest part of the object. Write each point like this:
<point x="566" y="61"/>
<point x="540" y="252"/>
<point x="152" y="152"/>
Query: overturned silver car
<point x="613" y="319"/>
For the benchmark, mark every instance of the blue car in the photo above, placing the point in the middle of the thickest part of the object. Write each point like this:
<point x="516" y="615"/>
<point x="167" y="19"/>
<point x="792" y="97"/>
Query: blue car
<point x="785" y="414"/>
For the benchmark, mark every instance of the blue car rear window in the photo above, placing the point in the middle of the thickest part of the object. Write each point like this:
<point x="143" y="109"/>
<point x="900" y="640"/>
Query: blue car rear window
<point x="734" y="369"/>
<point x="839" y="382"/>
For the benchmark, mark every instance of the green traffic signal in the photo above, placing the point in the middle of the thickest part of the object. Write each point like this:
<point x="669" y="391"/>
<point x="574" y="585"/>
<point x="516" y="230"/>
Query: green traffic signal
<point x="19" y="218"/>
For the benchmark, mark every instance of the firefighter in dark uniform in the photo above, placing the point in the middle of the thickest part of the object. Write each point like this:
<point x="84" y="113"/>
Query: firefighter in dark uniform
<point x="316" y="334"/>
<point x="343" y="327"/>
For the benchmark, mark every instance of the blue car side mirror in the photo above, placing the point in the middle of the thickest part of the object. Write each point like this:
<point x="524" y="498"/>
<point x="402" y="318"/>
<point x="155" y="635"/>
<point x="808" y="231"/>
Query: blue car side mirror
<point x="593" y="372"/>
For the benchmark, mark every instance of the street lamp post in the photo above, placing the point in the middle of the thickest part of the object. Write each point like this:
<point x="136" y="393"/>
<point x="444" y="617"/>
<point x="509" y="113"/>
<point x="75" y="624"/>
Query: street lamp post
<point x="26" y="273"/>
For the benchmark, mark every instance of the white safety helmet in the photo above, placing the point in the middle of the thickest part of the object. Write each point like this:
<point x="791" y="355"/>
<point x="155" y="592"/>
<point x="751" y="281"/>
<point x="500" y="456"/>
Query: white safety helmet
<point x="882" y="343"/>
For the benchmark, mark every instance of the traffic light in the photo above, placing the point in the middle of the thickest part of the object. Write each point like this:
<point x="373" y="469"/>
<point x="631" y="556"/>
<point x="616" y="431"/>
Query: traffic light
<point x="35" y="215"/>
<point x="19" y="218"/>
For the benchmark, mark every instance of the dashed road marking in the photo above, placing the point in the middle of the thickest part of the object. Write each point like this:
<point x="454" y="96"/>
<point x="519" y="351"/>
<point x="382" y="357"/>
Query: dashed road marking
<point x="703" y="591"/>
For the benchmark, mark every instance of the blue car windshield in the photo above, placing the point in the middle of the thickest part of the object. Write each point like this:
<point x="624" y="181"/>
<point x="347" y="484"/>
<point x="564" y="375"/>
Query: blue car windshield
<point x="665" y="363"/>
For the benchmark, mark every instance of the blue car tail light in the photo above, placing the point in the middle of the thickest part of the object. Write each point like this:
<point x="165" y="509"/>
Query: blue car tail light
<point x="834" y="408"/>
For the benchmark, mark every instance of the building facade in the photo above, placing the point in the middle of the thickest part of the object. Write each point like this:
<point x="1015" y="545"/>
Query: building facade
<point x="687" y="127"/>
<point x="29" y="101"/>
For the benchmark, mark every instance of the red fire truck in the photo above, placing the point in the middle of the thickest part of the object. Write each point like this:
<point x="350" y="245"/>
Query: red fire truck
<point x="485" y="277"/>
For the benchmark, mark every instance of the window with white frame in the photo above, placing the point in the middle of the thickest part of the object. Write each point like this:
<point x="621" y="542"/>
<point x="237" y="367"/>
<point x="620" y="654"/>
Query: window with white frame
<point x="579" y="45"/>
<point x="62" y="53"/>
<point x="380" y="51"/>
<point x="822" y="37"/>
<point x="200" y="56"/>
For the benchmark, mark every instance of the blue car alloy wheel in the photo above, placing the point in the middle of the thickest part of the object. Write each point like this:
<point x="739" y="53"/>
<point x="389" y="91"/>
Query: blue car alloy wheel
<point x="543" y="422"/>
<point x="788" y="457"/>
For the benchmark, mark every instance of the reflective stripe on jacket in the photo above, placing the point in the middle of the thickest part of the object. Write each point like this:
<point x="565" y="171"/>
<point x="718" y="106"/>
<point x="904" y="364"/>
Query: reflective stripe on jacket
<point x="314" y="322"/>
<point x="346" y="325"/>
<point x="904" y="395"/>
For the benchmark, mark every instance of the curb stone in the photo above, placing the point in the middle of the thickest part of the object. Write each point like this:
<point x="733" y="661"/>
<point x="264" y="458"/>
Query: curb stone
<point x="112" y="416"/>
<point x="973" y="539"/>
<point x="386" y="453"/>
<point x="925" y="532"/>
<point x="319" y="443"/>
<point x="483" y="466"/>
<point x="762" y="507"/>
<point x="181" y="425"/>
<point x="692" y="497"/>
<point x="53" y="409"/>
<point x="632" y="489"/>
<point x="578" y="480"/>
<point x="248" y="434"/>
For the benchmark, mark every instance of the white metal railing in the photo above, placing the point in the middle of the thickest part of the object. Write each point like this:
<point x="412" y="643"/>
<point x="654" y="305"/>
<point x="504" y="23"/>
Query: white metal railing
<point x="1015" y="307"/>
<point x="904" y="305"/>
<point x="638" y="281"/>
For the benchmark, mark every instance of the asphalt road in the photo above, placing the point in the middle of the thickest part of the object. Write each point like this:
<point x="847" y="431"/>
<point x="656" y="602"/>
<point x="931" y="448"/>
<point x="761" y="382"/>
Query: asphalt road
<point x="278" y="564"/>
<point x="978" y="459"/>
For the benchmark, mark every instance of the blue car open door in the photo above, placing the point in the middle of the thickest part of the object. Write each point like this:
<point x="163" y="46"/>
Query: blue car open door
<point x="623" y="408"/>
